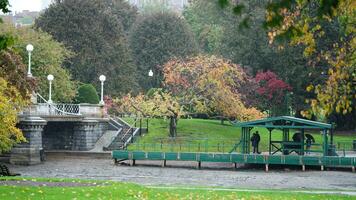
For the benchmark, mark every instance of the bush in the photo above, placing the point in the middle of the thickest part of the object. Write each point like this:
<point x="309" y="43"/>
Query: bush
<point x="87" y="94"/>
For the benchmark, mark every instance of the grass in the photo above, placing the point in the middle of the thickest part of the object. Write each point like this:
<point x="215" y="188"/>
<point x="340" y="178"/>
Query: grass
<point x="118" y="190"/>
<point x="208" y="135"/>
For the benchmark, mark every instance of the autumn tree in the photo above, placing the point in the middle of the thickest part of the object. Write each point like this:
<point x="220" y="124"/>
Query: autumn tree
<point x="155" y="39"/>
<point x="305" y="23"/>
<point x="200" y="84"/>
<point x="11" y="102"/>
<point x="157" y="104"/>
<point x="273" y="93"/>
<point x="14" y="95"/>
<point x="208" y="84"/>
<point x="245" y="41"/>
<point x="96" y="32"/>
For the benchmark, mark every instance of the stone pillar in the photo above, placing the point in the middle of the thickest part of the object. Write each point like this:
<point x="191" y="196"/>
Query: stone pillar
<point x="84" y="136"/>
<point x="28" y="153"/>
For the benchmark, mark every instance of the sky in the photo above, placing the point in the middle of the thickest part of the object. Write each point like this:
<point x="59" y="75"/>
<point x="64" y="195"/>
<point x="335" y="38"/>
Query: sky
<point x="32" y="5"/>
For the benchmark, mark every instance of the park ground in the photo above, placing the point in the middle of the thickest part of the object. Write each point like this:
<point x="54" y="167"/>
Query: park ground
<point x="72" y="177"/>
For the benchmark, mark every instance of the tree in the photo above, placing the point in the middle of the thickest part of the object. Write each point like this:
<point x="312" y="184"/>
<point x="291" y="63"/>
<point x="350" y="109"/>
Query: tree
<point x="11" y="102"/>
<point x="157" y="104"/>
<point x="305" y="23"/>
<point x="273" y="93"/>
<point x="5" y="39"/>
<point x="13" y="71"/>
<point x="212" y="85"/>
<point x="157" y="38"/>
<point x="220" y="32"/>
<point x="208" y="23"/>
<point x="87" y="94"/>
<point x="14" y="90"/>
<point x="198" y="84"/>
<point x="95" y="32"/>
<point x="47" y="58"/>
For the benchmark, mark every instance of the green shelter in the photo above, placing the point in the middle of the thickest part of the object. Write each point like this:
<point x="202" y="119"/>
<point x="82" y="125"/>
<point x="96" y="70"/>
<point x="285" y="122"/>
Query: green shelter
<point x="285" y="124"/>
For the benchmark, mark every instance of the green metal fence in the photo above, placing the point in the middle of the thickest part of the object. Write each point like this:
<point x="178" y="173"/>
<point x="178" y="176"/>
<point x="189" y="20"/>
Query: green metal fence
<point x="166" y="145"/>
<point x="346" y="148"/>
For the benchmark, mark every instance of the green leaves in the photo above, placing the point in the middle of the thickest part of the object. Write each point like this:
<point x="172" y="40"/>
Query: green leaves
<point x="4" y="6"/>
<point x="87" y="94"/>
<point x="157" y="38"/>
<point x="5" y="41"/>
<point x="96" y="31"/>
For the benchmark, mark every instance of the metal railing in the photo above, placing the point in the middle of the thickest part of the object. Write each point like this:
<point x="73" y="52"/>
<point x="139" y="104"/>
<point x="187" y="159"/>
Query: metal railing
<point x="346" y="148"/>
<point x="132" y="131"/>
<point x="184" y="146"/>
<point x="45" y="108"/>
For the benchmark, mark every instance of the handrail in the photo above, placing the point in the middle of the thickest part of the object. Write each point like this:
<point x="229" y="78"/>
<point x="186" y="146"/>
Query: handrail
<point x="235" y="147"/>
<point x="55" y="106"/>
<point x="127" y="132"/>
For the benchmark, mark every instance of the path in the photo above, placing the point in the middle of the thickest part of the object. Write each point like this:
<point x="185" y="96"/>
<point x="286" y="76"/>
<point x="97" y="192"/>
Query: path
<point x="221" y="175"/>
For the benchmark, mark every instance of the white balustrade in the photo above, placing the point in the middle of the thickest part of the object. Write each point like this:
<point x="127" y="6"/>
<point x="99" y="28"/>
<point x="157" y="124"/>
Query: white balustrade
<point x="44" y="108"/>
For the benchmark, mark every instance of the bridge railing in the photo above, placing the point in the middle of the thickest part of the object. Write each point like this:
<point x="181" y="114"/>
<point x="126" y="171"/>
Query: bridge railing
<point x="43" y="108"/>
<point x="57" y="109"/>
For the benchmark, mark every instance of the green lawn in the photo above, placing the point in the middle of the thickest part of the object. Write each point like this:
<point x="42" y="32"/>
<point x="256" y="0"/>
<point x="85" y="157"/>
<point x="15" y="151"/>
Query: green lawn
<point x="206" y="135"/>
<point x="127" y="191"/>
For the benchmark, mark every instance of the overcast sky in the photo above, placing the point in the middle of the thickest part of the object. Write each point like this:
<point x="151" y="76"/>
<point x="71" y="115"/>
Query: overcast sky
<point x="33" y="5"/>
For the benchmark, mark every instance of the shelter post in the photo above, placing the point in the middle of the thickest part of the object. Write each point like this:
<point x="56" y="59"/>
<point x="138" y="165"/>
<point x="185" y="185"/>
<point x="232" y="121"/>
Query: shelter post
<point x="270" y="141"/>
<point x="325" y="142"/>
<point x="302" y="142"/>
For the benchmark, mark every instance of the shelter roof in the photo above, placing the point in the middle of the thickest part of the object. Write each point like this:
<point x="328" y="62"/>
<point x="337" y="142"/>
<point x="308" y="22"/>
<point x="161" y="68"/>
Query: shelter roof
<point x="285" y="122"/>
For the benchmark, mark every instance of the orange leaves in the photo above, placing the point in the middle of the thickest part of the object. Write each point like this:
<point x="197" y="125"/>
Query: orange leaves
<point x="207" y="83"/>
<point x="157" y="104"/>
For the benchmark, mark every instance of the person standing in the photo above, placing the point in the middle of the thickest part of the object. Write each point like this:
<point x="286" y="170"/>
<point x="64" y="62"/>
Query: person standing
<point x="255" y="140"/>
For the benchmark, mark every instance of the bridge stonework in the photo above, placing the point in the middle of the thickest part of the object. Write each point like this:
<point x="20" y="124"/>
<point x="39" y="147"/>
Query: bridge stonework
<point x="58" y="127"/>
<point x="28" y="153"/>
<point x="86" y="133"/>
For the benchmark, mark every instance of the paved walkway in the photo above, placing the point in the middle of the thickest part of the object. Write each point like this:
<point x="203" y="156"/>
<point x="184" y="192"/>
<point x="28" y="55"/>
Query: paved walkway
<point x="184" y="174"/>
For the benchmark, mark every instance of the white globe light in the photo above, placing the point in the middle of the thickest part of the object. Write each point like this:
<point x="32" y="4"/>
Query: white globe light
<point x="29" y="47"/>
<point x="150" y="73"/>
<point x="50" y="77"/>
<point x="102" y="78"/>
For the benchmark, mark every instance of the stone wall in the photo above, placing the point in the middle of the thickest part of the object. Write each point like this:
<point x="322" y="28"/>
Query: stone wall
<point x="29" y="152"/>
<point x="58" y="136"/>
<point x="86" y="133"/>
<point x="80" y="136"/>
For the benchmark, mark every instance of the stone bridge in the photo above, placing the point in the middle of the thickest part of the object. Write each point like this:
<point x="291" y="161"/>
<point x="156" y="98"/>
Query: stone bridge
<point x="73" y="127"/>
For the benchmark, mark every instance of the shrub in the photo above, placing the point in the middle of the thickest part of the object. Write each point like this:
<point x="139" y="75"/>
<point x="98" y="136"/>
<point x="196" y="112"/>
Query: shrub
<point x="87" y="94"/>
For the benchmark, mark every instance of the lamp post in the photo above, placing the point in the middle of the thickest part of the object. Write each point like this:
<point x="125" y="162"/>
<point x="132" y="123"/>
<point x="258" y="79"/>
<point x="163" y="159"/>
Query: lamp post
<point x="29" y="49"/>
<point x="150" y="75"/>
<point x="50" y="78"/>
<point x="102" y="79"/>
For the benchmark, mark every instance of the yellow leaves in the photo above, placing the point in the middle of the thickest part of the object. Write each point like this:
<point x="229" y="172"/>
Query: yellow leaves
<point x="11" y="103"/>
<point x="310" y="88"/>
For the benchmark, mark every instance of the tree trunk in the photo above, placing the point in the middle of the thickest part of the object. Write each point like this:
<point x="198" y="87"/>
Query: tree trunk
<point x="173" y="126"/>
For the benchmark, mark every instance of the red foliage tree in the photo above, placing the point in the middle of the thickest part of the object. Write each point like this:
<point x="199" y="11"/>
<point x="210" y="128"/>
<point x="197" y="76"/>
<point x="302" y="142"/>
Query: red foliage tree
<point x="272" y="90"/>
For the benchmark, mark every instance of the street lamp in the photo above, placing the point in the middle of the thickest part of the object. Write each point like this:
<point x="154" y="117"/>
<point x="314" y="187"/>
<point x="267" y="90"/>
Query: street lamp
<point x="50" y="78"/>
<point x="102" y="78"/>
<point x="29" y="49"/>
<point x="150" y="73"/>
